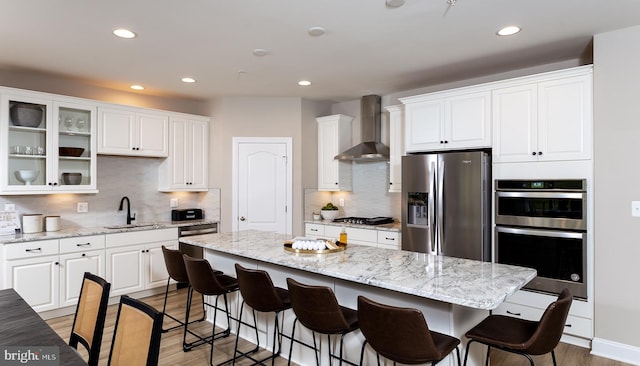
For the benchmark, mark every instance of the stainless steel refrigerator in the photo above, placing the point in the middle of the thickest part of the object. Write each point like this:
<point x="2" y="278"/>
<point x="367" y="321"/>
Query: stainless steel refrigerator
<point x="446" y="205"/>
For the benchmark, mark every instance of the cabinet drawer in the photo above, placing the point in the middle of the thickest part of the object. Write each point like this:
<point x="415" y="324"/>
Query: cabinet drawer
<point x="354" y="235"/>
<point x="574" y="325"/>
<point x="389" y="238"/>
<point x="518" y="311"/>
<point x="31" y="249"/>
<point x="577" y="326"/>
<point x="313" y="229"/>
<point x="82" y="243"/>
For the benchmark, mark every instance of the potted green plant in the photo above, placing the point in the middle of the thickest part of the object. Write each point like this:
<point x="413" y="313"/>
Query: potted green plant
<point x="329" y="211"/>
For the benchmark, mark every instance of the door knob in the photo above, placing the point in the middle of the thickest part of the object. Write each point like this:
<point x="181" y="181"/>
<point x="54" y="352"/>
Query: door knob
<point x="242" y="218"/>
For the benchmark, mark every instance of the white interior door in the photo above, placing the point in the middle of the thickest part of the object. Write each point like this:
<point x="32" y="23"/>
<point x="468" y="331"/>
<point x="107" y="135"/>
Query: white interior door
<point x="262" y="191"/>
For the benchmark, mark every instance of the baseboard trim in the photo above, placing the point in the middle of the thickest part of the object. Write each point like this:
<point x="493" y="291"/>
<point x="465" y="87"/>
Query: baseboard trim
<point x="616" y="351"/>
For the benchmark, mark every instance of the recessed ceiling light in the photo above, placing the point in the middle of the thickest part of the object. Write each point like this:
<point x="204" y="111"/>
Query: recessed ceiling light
<point x="394" y="3"/>
<point x="124" y="33"/>
<point x="304" y="83"/>
<point x="259" y="52"/>
<point x="137" y="87"/>
<point x="507" y="31"/>
<point x="317" y="31"/>
<point x="188" y="80"/>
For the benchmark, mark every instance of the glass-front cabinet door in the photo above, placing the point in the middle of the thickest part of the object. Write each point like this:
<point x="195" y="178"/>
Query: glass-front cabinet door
<point x="49" y="145"/>
<point x="28" y="122"/>
<point x="74" y="167"/>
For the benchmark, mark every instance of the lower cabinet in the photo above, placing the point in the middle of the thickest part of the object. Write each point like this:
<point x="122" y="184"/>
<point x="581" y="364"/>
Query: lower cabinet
<point x="372" y="237"/>
<point x="77" y="256"/>
<point x="134" y="260"/>
<point x="530" y="306"/>
<point x="48" y="273"/>
<point x="36" y="280"/>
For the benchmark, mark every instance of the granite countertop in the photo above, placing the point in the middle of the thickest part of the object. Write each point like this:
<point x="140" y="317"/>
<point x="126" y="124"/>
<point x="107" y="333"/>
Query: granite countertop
<point x="386" y="227"/>
<point x="107" y="229"/>
<point x="470" y="283"/>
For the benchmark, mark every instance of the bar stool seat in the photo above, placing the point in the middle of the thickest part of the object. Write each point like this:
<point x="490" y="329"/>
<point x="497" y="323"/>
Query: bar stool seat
<point x="402" y="334"/>
<point x="522" y="336"/>
<point x="317" y="308"/>
<point x="259" y="293"/>
<point x="204" y="280"/>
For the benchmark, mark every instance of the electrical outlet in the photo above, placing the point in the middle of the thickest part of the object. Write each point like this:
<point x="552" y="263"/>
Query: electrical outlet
<point x="341" y="202"/>
<point x="9" y="207"/>
<point x="173" y="203"/>
<point x="83" y="207"/>
<point x="635" y="208"/>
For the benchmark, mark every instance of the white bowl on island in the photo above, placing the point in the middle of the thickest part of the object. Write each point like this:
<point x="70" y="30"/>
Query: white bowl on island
<point x="27" y="176"/>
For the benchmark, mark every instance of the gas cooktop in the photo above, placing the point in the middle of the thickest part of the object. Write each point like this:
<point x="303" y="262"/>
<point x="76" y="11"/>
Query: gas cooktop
<point x="365" y="220"/>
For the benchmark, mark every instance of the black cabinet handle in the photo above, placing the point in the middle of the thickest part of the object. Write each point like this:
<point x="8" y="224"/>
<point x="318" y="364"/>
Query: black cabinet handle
<point x="533" y="153"/>
<point x="33" y="250"/>
<point x="539" y="152"/>
<point x="389" y="238"/>
<point x="83" y="245"/>
<point x="84" y="254"/>
<point x="515" y="314"/>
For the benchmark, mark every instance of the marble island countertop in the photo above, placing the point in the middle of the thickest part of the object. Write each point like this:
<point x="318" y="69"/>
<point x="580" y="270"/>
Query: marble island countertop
<point x="470" y="283"/>
<point x="107" y="229"/>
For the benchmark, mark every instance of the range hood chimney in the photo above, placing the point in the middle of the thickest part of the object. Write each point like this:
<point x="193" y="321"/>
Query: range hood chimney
<point x="371" y="149"/>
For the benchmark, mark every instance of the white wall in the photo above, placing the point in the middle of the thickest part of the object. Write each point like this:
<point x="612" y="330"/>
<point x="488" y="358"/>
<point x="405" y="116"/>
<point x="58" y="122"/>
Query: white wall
<point x="617" y="183"/>
<point x="253" y="117"/>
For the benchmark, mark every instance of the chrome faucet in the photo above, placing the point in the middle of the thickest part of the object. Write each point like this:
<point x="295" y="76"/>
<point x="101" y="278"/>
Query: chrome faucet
<point x="129" y="217"/>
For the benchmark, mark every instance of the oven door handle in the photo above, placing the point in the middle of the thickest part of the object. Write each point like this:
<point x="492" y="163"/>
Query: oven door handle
<point x="580" y="195"/>
<point x="547" y="233"/>
<point x="198" y="232"/>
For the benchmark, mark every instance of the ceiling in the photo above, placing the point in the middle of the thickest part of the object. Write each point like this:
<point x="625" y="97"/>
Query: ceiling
<point x="368" y="48"/>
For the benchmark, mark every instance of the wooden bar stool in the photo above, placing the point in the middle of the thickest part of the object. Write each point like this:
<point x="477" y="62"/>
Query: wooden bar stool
<point x="402" y="334"/>
<point x="524" y="337"/>
<point x="204" y="280"/>
<point x="177" y="272"/>
<point x="317" y="308"/>
<point x="261" y="295"/>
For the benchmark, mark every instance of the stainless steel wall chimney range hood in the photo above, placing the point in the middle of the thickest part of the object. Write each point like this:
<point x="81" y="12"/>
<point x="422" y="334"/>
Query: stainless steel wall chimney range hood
<point x="371" y="149"/>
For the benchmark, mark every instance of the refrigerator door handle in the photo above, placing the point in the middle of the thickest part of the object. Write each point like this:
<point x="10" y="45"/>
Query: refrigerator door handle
<point x="440" y="207"/>
<point x="432" y="216"/>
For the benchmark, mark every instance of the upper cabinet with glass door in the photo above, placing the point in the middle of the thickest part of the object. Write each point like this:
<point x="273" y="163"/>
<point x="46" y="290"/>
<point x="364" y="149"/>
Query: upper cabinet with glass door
<point x="49" y="144"/>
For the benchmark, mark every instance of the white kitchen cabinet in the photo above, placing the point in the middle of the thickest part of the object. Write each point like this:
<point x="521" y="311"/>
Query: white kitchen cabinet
<point x="389" y="239"/>
<point x="63" y="142"/>
<point x="132" y="132"/>
<point x="32" y="269"/>
<point x="355" y="235"/>
<point x="134" y="260"/>
<point x="396" y="146"/>
<point x="77" y="256"/>
<point x="187" y="167"/>
<point x="334" y="136"/>
<point x="544" y="120"/>
<point x="531" y="305"/>
<point x="456" y="119"/>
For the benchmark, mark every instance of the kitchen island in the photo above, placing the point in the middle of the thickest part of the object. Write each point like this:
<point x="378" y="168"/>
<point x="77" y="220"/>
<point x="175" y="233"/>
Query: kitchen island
<point x="453" y="294"/>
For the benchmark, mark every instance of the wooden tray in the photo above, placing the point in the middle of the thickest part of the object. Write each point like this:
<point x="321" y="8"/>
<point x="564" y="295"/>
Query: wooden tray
<point x="288" y="248"/>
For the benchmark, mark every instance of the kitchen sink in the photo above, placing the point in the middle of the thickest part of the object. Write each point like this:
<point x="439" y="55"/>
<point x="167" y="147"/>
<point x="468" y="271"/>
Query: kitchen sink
<point x="129" y="226"/>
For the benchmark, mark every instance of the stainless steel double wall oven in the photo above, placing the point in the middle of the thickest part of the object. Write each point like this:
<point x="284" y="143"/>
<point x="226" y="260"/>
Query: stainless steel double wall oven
<point x="543" y="224"/>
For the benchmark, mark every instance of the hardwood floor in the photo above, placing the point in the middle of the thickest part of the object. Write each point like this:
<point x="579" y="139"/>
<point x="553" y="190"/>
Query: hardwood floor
<point x="171" y="346"/>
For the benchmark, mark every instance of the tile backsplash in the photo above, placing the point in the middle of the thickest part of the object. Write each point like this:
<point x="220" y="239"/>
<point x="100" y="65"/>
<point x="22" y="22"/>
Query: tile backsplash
<point x="369" y="197"/>
<point x="136" y="178"/>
